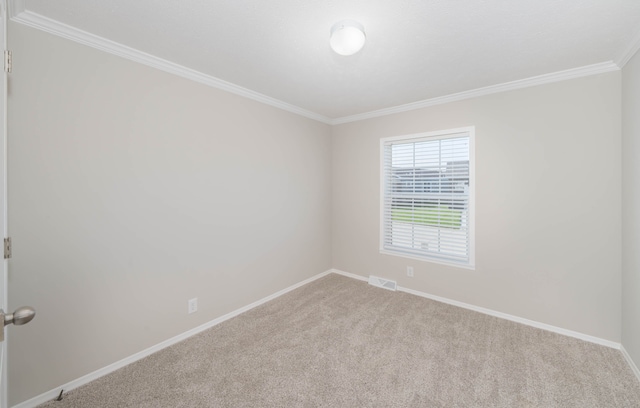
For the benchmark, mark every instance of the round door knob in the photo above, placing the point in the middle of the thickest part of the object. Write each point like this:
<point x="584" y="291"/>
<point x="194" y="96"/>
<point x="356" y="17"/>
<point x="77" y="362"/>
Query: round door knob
<point x="22" y="315"/>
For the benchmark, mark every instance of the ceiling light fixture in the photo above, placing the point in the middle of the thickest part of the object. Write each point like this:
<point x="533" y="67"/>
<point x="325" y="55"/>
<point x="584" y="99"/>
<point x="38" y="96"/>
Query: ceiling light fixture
<point x="347" y="37"/>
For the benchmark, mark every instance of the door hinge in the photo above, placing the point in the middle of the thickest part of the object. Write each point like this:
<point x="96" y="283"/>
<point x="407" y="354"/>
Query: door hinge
<point x="7" y="61"/>
<point x="7" y="248"/>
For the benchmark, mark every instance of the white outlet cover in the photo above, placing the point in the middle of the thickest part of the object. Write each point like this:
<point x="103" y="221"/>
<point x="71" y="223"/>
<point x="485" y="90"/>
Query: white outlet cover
<point x="192" y="305"/>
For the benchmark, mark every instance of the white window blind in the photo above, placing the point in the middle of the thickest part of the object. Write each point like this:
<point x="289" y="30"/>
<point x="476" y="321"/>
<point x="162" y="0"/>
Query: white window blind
<point x="427" y="196"/>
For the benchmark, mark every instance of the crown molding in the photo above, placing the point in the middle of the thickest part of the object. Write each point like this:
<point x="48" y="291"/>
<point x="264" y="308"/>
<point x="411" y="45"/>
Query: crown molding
<point x="37" y="21"/>
<point x="19" y="14"/>
<point x="507" y="86"/>
<point x="630" y="50"/>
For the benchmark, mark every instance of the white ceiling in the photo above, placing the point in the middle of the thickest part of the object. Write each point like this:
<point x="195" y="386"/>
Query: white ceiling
<point x="415" y="50"/>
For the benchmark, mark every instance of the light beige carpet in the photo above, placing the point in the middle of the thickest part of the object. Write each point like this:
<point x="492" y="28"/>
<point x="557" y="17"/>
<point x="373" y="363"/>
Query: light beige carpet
<point x="338" y="342"/>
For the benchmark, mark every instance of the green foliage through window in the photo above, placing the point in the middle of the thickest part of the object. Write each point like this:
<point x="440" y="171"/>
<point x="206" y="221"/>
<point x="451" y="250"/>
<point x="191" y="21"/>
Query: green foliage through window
<point x="440" y="216"/>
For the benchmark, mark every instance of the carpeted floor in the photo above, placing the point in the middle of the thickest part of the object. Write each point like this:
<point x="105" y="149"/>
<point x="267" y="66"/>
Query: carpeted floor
<point x="338" y="342"/>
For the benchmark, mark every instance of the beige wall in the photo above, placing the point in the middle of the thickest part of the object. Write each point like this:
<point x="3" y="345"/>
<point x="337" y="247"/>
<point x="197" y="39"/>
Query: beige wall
<point x="133" y="190"/>
<point x="631" y="208"/>
<point x="548" y="203"/>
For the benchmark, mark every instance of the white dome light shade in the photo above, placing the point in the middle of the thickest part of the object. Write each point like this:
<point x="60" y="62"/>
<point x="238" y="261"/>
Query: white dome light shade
<point x="347" y="37"/>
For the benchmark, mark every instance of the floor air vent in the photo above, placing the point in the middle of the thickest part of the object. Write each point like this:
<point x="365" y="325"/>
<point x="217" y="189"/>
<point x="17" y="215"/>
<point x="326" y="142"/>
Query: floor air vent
<point x="382" y="283"/>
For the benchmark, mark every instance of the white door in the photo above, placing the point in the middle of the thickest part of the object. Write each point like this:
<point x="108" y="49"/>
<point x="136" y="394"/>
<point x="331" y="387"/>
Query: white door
<point x="21" y="315"/>
<point x="3" y="203"/>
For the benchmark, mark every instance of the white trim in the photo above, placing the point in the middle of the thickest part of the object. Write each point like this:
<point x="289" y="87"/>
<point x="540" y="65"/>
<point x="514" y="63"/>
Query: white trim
<point x="573" y="73"/>
<point x="349" y="275"/>
<point x="49" y="395"/>
<point x="630" y="50"/>
<point x="467" y="131"/>
<point x="630" y="361"/>
<point x="423" y="259"/>
<point x="48" y="25"/>
<point x="527" y="322"/>
<point x="19" y="14"/>
<point x="472" y="197"/>
<point x="4" y="268"/>
<point x="433" y="135"/>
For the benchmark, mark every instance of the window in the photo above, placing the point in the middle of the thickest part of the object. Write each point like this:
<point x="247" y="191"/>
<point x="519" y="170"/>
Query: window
<point x="427" y="203"/>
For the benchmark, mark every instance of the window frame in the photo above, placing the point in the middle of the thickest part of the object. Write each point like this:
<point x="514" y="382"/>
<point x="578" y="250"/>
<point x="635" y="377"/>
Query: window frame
<point x="434" y="135"/>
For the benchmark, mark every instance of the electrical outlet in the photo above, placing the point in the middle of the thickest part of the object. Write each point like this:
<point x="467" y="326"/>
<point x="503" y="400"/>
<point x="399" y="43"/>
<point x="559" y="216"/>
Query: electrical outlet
<point x="410" y="271"/>
<point x="193" y="305"/>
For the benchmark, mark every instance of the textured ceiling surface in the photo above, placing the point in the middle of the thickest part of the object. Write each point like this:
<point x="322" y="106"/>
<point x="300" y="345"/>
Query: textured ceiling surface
<point x="415" y="50"/>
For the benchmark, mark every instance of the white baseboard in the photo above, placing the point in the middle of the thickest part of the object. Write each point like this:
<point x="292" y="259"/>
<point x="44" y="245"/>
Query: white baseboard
<point x="527" y="322"/>
<point x="49" y="395"/>
<point x="631" y="363"/>
<point x="349" y="275"/>
<point x="501" y="315"/>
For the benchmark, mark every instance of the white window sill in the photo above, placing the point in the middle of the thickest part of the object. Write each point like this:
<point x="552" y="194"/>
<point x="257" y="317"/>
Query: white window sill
<point x="430" y="260"/>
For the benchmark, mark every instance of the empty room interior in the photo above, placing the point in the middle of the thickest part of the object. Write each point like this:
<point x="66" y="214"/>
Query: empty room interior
<point x="321" y="203"/>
